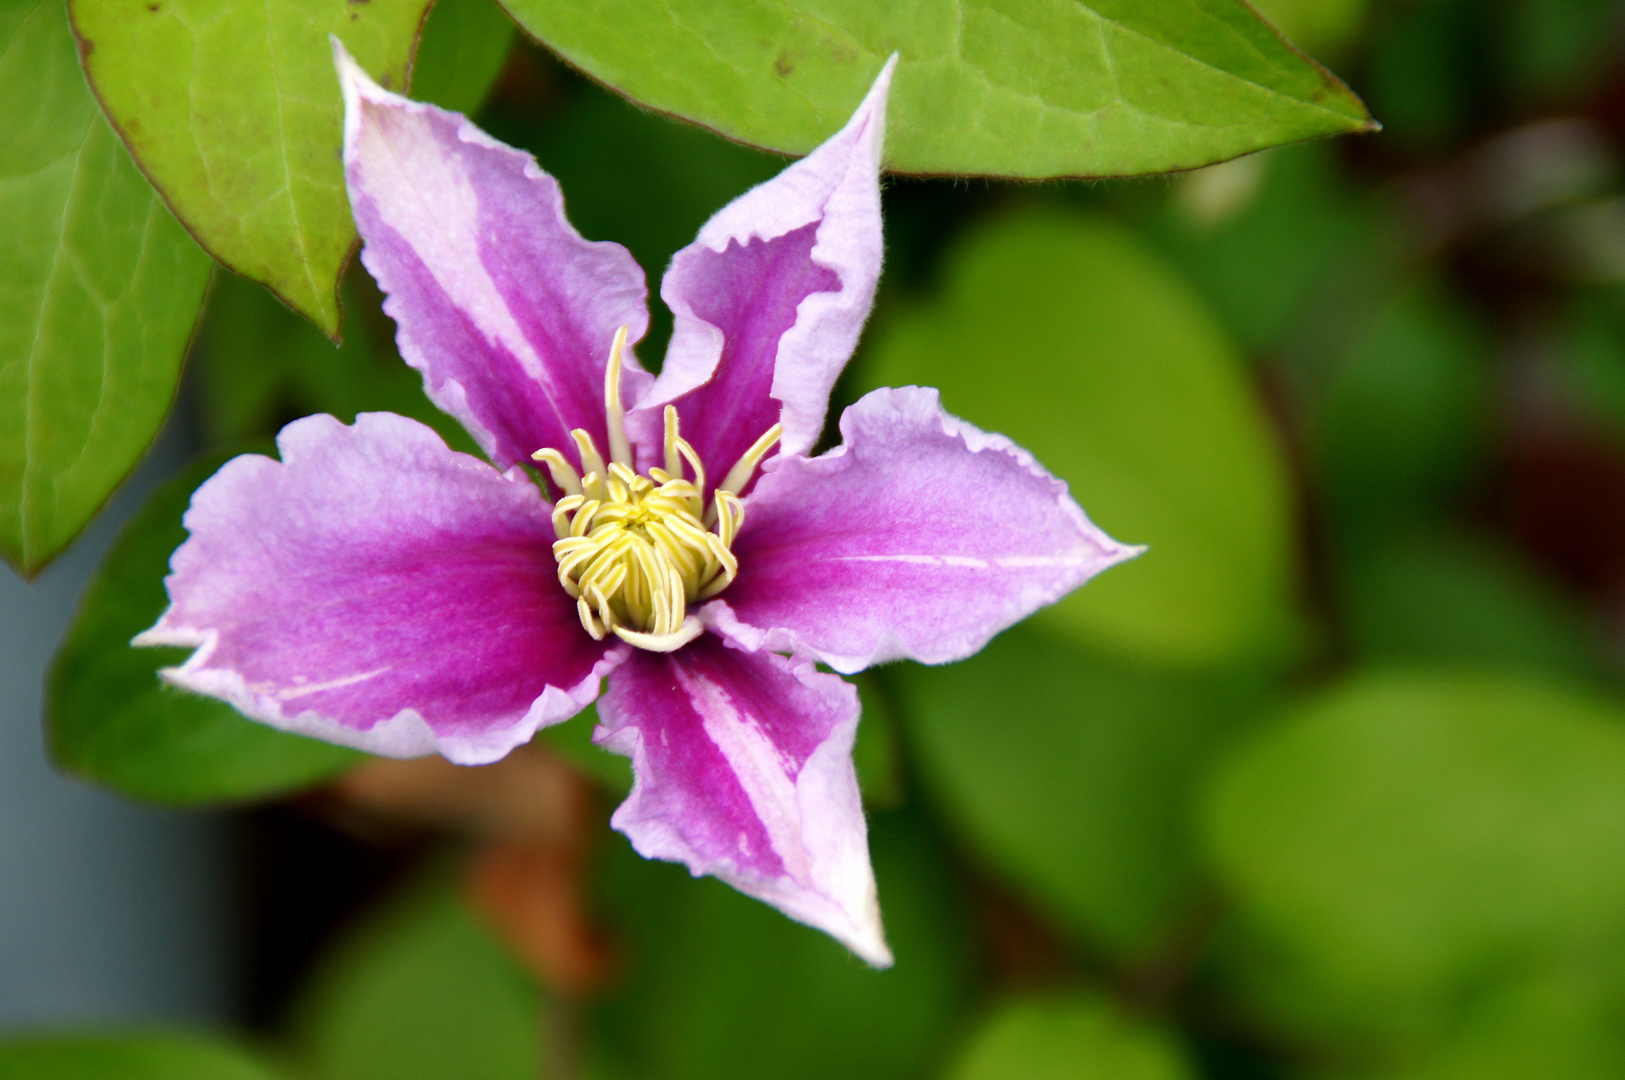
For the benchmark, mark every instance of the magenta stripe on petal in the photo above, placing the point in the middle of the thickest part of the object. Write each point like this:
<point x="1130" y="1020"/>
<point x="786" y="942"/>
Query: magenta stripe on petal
<point x="501" y="304"/>
<point x="919" y="537"/>
<point x="769" y="300"/>
<point x="378" y="590"/>
<point x="749" y="293"/>
<point x="743" y="770"/>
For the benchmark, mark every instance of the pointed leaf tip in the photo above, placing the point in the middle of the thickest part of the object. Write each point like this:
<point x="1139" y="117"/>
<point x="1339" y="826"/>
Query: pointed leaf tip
<point x="237" y="136"/>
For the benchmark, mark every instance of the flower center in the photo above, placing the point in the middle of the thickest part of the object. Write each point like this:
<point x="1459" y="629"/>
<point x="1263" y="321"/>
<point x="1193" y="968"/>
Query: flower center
<point x="634" y="551"/>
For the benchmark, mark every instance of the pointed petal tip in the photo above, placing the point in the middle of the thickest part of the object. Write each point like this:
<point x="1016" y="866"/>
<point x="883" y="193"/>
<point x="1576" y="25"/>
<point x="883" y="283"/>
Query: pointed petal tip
<point x="883" y="80"/>
<point x="355" y="85"/>
<point x="352" y="79"/>
<point x="867" y="940"/>
<point x="875" y="954"/>
<point x="871" y="111"/>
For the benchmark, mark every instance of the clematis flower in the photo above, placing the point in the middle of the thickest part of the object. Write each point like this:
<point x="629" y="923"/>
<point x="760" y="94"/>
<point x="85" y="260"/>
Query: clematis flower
<point x="378" y="590"/>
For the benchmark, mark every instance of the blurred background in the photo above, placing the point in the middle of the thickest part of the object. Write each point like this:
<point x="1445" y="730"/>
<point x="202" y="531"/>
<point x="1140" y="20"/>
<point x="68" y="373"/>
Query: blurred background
<point x="1329" y="784"/>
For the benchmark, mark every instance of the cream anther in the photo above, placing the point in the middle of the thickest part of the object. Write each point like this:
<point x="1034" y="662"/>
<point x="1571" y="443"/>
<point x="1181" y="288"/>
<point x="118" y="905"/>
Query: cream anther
<point x="619" y="448"/>
<point x="634" y="551"/>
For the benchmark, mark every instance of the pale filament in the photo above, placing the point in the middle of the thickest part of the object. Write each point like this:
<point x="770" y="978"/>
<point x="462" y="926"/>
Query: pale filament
<point x="634" y="551"/>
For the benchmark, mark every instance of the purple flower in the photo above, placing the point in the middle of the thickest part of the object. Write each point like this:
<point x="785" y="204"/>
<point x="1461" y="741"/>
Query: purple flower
<point x="375" y="589"/>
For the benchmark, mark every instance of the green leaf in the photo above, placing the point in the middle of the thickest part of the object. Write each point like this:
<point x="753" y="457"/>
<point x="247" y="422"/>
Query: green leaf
<point x="1069" y="1038"/>
<point x="719" y="985"/>
<point x="1072" y="776"/>
<point x="1409" y="837"/>
<point x="112" y="721"/>
<point x="991" y="87"/>
<point x="463" y="47"/>
<point x="232" y="108"/>
<point x="1068" y="335"/>
<point x="102" y="289"/>
<point x="127" y="1057"/>
<point x="423" y="992"/>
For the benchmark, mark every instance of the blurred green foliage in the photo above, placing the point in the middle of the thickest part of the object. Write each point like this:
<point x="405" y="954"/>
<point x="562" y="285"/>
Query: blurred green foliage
<point x="460" y="52"/>
<point x="258" y="365"/>
<point x="1330" y="783"/>
<point x="1460" y="600"/>
<point x="1402" y="417"/>
<point x="1408" y="841"/>
<point x="1066" y="1038"/>
<point x="421" y="992"/>
<point x="1074" y="775"/>
<point x="135" y="1056"/>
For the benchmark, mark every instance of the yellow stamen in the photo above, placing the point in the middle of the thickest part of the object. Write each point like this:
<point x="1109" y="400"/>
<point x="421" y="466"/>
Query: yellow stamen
<point x="619" y="449"/>
<point x="745" y="467"/>
<point x="591" y="464"/>
<point x="564" y="475"/>
<point x="674" y="462"/>
<point x="635" y="551"/>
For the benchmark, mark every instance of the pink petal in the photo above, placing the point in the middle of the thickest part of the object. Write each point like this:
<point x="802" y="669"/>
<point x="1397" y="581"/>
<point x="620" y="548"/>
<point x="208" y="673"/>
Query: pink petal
<point x="377" y="590"/>
<point x="501" y="304"/>
<point x="743" y="770"/>
<point x="919" y="537"/>
<point x="769" y="300"/>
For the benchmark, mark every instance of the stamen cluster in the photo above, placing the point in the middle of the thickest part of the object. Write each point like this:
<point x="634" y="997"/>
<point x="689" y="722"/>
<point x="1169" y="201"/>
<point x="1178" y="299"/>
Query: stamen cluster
<point x="634" y="551"/>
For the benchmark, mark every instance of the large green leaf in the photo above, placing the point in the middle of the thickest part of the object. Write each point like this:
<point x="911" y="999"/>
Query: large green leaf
<point x="1409" y="838"/>
<point x="1072" y="776"/>
<point x="111" y="720"/>
<point x="424" y="992"/>
<point x="993" y="87"/>
<point x="100" y="291"/>
<point x="232" y="108"/>
<point x="1065" y="333"/>
<point x="127" y="1057"/>
<point x="1075" y="1037"/>
<point x="716" y="984"/>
